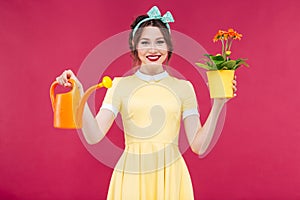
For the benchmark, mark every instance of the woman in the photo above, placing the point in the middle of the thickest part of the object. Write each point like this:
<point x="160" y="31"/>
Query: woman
<point x="151" y="103"/>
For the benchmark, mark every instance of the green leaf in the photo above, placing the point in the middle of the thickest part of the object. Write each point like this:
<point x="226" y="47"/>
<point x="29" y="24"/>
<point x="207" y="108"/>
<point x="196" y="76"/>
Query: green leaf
<point x="207" y="62"/>
<point x="207" y="67"/>
<point x="217" y="59"/>
<point x="219" y="65"/>
<point x="228" y="64"/>
<point x="245" y="64"/>
<point x="240" y="62"/>
<point x="207" y="55"/>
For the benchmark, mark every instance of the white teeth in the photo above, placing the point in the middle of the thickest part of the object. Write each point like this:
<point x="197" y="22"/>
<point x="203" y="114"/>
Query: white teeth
<point x="152" y="57"/>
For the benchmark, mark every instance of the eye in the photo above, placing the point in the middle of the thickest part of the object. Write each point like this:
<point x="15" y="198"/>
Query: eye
<point x="144" y="42"/>
<point x="160" y="42"/>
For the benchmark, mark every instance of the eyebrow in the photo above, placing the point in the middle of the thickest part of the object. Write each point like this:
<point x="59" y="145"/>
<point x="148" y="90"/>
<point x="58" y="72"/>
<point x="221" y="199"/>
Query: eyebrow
<point x="155" y="39"/>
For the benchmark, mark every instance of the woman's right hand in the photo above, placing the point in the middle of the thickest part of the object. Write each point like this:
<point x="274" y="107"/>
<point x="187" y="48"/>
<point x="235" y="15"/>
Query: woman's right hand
<point x="63" y="79"/>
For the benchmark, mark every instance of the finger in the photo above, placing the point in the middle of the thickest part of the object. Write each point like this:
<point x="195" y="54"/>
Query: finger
<point x="70" y="74"/>
<point x="234" y="82"/>
<point x="60" y="80"/>
<point x="65" y="76"/>
<point x="234" y="88"/>
<point x="67" y="84"/>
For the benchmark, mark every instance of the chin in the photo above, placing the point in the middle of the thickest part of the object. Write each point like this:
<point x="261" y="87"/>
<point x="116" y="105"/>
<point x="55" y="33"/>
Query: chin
<point x="152" y="64"/>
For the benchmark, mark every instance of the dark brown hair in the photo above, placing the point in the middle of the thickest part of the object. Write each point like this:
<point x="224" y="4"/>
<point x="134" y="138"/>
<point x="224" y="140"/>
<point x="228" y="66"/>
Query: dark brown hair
<point x="133" y="40"/>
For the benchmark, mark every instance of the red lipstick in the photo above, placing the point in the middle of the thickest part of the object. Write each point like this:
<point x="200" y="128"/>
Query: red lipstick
<point x="153" y="58"/>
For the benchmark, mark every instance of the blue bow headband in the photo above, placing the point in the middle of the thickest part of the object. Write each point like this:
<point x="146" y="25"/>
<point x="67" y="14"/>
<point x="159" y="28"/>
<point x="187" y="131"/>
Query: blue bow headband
<point x="154" y="13"/>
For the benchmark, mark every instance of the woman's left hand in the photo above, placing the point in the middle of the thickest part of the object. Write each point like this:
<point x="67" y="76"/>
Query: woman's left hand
<point x="234" y="88"/>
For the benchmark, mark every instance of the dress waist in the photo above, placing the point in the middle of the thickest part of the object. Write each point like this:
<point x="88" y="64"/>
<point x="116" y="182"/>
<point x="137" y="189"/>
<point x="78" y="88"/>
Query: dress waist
<point x="148" y="156"/>
<point x="152" y="142"/>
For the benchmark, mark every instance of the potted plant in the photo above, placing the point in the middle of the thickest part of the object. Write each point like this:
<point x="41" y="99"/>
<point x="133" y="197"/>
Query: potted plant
<point x="221" y="67"/>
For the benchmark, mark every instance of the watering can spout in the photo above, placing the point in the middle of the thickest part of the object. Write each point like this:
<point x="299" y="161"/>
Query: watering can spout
<point x="106" y="82"/>
<point x="68" y="107"/>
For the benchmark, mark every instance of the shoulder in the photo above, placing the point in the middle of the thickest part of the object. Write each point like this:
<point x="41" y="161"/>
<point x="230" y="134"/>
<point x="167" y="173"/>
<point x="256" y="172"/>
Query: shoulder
<point x="124" y="84"/>
<point x="181" y="87"/>
<point x="182" y="83"/>
<point x="118" y="79"/>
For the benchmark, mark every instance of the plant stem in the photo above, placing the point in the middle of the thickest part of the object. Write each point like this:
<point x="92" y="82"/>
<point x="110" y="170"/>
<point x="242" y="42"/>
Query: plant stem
<point x="223" y="49"/>
<point x="226" y="47"/>
<point x="230" y="43"/>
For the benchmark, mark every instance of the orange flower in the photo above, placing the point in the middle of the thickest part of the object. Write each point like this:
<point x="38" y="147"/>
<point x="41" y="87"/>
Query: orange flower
<point x="225" y="35"/>
<point x="221" y="32"/>
<point x="219" y="35"/>
<point x="216" y="38"/>
<point x="238" y="36"/>
<point x="223" y="60"/>
<point x="231" y="32"/>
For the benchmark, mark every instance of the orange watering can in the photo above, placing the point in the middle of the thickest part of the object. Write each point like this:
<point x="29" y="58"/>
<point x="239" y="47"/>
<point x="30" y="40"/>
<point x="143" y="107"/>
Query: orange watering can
<point x="68" y="107"/>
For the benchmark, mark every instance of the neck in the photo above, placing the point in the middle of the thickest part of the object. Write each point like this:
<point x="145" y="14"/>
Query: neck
<point x="151" y="69"/>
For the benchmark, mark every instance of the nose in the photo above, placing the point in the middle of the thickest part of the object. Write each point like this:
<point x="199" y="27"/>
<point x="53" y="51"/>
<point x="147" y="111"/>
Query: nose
<point x="153" y="48"/>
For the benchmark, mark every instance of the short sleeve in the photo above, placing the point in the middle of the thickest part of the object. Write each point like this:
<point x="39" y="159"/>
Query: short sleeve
<point x="189" y="104"/>
<point x="112" y="100"/>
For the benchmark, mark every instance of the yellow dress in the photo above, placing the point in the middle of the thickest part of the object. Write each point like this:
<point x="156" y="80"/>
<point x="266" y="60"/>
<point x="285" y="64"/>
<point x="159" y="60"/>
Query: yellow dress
<point x="151" y="166"/>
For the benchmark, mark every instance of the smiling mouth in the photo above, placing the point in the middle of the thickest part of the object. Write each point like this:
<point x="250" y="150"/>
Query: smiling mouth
<point x="153" y="58"/>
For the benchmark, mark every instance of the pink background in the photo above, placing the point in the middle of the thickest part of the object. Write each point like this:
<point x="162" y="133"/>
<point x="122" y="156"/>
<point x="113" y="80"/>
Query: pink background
<point x="258" y="154"/>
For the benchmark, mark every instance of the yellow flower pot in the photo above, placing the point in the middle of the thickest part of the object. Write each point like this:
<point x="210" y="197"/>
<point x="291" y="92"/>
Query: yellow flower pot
<point x="220" y="83"/>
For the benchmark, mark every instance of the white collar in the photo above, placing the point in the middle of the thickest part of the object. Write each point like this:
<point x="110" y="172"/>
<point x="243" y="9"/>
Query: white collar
<point x="156" y="77"/>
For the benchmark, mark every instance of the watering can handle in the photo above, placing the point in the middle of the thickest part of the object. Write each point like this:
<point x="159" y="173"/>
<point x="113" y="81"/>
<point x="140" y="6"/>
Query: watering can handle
<point x="106" y="82"/>
<point x="52" y="88"/>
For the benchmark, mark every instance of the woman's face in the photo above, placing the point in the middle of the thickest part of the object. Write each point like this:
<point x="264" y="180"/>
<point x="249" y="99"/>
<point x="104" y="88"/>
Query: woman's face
<point x="152" y="47"/>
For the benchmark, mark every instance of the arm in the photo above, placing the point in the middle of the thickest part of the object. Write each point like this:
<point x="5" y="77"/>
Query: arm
<point x="200" y="136"/>
<point x="93" y="128"/>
